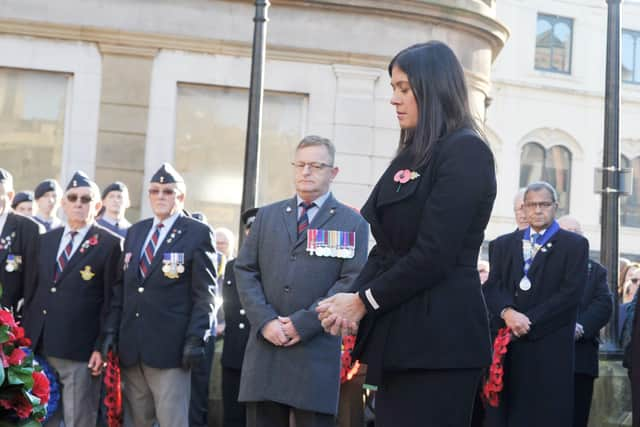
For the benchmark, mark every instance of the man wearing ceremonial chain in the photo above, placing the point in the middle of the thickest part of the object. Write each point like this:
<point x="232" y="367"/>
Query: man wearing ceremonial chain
<point x="534" y="289"/>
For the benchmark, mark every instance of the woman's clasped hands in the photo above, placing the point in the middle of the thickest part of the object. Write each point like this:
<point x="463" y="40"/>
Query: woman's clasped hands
<point x="340" y="313"/>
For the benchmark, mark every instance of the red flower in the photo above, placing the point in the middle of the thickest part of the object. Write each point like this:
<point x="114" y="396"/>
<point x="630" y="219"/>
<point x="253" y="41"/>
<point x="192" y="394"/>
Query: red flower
<point x="20" y="339"/>
<point x="93" y="240"/>
<point x="402" y="176"/>
<point x="493" y="384"/>
<point x="40" y="387"/>
<point x="17" y="356"/>
<point x="6" y="318"/>
<point x="19" y="404"/>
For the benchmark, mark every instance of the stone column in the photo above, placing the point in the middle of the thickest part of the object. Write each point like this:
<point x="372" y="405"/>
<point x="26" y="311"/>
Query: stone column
<point x="124" y="104"/>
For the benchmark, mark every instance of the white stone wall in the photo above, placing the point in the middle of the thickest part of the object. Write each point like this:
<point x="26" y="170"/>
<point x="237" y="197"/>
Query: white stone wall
<point x="559" y="109"/>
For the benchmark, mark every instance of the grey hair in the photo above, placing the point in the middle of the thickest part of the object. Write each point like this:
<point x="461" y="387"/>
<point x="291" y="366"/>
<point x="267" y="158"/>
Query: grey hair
<point x="542" y="185"/>
<point x="519" y="195"/>
<point x="315" y="141"/>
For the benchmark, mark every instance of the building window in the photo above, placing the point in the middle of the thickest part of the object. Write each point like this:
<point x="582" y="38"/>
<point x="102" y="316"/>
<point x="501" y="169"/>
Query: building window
<point x="210" y="144"/>
<point x="630" y="205"/>
<point x="552" y="165"/>
<point x="553" y="43"/>
<point x="631" y="56"/>
<point x="32" y="122"/>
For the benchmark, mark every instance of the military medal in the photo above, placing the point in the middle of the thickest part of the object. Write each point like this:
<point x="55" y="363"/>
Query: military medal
<point x="12" y="263"/>
<point x="180" y="262"/>
<point x="525" y="283"/>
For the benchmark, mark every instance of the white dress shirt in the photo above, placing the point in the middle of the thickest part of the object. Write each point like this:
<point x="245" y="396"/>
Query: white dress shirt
<point x="77" y="240"/>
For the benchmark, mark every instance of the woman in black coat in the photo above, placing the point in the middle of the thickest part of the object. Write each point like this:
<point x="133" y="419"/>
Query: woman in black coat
<point x="423" y="328"/>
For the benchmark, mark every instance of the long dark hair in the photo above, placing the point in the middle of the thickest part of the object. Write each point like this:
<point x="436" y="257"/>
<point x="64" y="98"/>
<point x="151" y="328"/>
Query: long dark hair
<point x="438" y="84"/>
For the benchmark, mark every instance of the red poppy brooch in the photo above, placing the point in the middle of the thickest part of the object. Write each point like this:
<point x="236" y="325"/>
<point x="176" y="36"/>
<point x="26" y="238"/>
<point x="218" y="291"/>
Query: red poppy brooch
<point x="403" y="176"/>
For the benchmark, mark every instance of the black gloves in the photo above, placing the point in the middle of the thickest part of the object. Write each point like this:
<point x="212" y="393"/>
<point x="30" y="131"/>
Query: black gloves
<point x="109" y="342"/>
<point x="193" y="352"/>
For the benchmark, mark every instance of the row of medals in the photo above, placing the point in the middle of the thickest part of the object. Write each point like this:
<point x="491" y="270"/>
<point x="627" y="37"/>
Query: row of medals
<point x="174" y="266"/>
<point x="332" y="252"/>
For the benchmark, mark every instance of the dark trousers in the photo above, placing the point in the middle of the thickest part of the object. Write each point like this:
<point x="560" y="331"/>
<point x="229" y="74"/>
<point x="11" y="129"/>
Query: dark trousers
<point x="234" y="413"/>
<point x="434" y="398"/>
<point x="582" y="399"/>
<point x="199" y="403"/>
<point x="272" y="414"/>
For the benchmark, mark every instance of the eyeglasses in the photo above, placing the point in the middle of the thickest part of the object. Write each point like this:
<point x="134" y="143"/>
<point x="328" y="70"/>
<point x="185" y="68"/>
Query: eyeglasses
<point x="165" y="191"/>
<point x="316" y="166"/>
<point x="83" y="199"/>
<point x="541" y="205"/>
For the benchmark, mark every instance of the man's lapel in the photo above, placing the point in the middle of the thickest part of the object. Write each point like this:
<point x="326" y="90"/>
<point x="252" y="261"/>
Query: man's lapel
<point x="542" y="255"/>
<point x="324" y="214"/>
<point x="290" y="218"/>
<point x="8" y="237"/>
<point x="178" y="229"/>
<point x="82" y="251"/>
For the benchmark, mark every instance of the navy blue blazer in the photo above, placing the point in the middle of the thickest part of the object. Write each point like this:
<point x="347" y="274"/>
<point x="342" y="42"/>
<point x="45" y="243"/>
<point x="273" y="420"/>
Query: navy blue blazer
<point x="65" y="319"/>
<point x="154" y="316"/>
<point x="18" y="242"/>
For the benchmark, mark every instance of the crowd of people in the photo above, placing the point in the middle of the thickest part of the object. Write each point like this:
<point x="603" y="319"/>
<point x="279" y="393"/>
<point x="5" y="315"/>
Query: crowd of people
<point x="309" y="310"/>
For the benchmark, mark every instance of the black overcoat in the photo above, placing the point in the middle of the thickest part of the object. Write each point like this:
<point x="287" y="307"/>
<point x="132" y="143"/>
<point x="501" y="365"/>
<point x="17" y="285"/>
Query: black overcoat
<point x="65" y="319"/>
<point x="539" y="367"/>
<point x="422" y="273"/>
<point x="236" y="331"/>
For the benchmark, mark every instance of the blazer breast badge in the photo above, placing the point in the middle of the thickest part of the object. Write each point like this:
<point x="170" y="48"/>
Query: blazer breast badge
<point x="86" y="273"/>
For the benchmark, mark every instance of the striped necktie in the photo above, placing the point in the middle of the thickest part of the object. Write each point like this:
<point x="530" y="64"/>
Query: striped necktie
<point x="149" y="251"/>
<point x="303" y="221"/>
<point x="64" y="257"/>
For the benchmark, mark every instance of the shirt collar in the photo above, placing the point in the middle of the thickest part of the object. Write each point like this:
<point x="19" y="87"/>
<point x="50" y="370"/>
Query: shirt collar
<point x="110" y="221"/>
<point x="318" y="202"/>
<point x="167" y="222"/>
<point x="81" y="231"/>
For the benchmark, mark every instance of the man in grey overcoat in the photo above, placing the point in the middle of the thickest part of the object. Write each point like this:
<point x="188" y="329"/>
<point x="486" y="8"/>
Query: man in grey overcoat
<point x="299" y="251"/>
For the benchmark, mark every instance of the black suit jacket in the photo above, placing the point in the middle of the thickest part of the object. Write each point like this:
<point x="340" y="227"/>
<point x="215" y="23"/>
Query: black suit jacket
<point x="423" y="271"/>
<point x="236" y="332"/>
<point x="65" y="319"/>
<point x="593" y="314"/>
<point x="539" y="367"/>
<point x="154" y="316"/>
<point x="20" y="239"/>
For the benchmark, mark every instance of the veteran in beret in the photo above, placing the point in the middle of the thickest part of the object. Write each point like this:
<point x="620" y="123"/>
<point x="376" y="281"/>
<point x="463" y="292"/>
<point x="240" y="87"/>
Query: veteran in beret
<point x="115" y="202"/>
<point x="77" y="267"/>
<point x="163" y="305"/>
<point x="23" y="203"/>
<point x="18" y="247"/>
<point x="48" y="195"/>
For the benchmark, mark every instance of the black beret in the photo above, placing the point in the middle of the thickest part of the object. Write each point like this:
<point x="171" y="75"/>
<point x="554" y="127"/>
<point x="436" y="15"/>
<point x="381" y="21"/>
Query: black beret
<point x="115" y="186"/>
<point x="80" y="179"/>
<point x="22" y="196"/>
<point x="249" y="216"/>
<point x="166" y="175"/>
<point x="46" y="186"/>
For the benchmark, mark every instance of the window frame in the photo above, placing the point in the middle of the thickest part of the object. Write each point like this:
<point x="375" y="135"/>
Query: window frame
<point x="635" y="34"/>
<point x="553" y="20"/>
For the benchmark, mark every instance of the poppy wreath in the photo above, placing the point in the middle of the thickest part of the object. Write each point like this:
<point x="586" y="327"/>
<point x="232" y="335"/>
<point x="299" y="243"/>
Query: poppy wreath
<point x="54" y="386"/>
<point x="113" y="395"/>
<point x="493" y="384"/>
<point x="24" y="387"/>
<point x="347" y="368"/>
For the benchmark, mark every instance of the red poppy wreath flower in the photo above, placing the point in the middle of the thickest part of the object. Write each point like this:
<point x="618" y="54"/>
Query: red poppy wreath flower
<point x="6" y="318"/>
<point x="19" y="404"/>
<point x="40" y="386"/>
<point x="16" y="357"/>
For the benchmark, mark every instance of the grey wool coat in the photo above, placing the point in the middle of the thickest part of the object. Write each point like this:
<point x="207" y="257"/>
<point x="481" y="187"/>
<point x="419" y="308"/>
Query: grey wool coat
<point x="276" y="276"/>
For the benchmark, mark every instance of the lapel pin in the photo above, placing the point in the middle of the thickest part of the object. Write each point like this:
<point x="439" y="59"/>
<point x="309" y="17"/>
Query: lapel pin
<point x="332" y="211"/>
<point x="288" y="209"/>
<point x="543" y="249"/>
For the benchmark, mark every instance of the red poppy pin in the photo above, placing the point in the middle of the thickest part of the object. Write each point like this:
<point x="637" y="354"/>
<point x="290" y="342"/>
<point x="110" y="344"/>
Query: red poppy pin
<point x="403" y="176"/>
<point x="91" y="241"/>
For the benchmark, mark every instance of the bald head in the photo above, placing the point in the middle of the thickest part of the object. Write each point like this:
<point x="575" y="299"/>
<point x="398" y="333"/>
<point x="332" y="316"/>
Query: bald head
<point x="569" y="223"/>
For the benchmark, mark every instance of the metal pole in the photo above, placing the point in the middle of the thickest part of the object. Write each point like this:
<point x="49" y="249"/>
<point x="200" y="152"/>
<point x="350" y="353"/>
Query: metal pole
<point x="254" y="120"/>
<point x="609" y="250"/>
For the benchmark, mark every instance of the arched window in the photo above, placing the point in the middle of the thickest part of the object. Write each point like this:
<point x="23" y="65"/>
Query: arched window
<point x="553" y="43"/>
<point x="630" y="205"/>
<point x="552" y="165"/>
